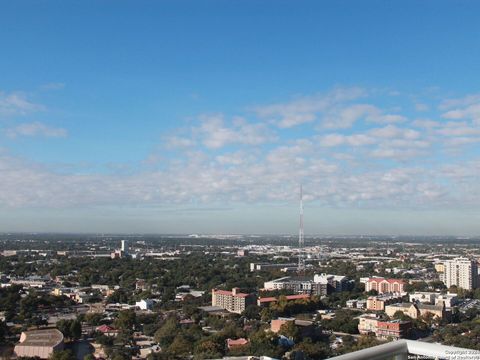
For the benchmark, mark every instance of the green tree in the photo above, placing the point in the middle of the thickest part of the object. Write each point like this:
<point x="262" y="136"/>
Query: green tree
<point x="180" y="346"/>
<point x="166" y="333"/>
<point x="62" y="355"/>
<point x="400" y="315"/>
<point x="93" y="319"/>
<point x="290" y="330"/>
<point x="76" y="329"/>
<point x="209" y="348"/>
<point x="65" y="327"/>
<point x="314" y="351"/>
<point x="126" y="320"/>
<point x="252" y="312"/>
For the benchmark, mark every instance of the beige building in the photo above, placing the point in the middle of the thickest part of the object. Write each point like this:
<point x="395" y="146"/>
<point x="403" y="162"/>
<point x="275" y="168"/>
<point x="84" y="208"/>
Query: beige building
<point x="396" y="329"/>
<point x="416" y="310"/>
<point x="367" y="324"/>
<point x="305" y="327"/>
<point x="382" y="285"/>
<point x="41" y="343"/>
<point x="462" y="273"/>
<point x="378" y="303"/>
<point x="232" y="301"/>
<point x="434" y="298"/>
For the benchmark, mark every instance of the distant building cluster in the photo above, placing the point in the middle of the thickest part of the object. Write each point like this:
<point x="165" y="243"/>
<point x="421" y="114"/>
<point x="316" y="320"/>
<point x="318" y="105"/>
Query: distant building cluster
<point x="320" y="285"/>
<point x="268" y="266"/>
<point x="122" y="252"/>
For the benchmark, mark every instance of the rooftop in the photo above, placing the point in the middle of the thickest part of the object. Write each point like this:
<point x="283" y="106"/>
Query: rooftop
<point x="44" y="337"/>
<point x="225" y="292"/>
<point x="401" y="305"/>
<point x="400" y="281"/>
<point x="288" y="297"/>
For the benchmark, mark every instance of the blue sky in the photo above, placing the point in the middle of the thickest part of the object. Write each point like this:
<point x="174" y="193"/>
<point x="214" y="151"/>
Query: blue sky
<point x="205" y="116"/>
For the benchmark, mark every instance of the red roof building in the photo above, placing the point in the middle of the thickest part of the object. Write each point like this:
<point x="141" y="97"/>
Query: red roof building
<point x="233" y="343"/>
<point x="265" y="301"/>
<point x="107" y="330"/>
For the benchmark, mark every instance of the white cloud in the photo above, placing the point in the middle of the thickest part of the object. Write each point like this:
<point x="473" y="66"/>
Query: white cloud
<point x="215" y="134"/>
<point x="461" y="140"/>
<point x="198" y="179"/>
<point x="331" y="140"/>
<point x="345" y="117"/>
<point x="396" y="153"/>
<point x="53" y="86"/>
<point x="425" y="123"/>
<point x="176" y="142"/>
<point x="366" y="165"/>
<point x="470" y="112"/>
<point x="460" y="102"/>
<point x="306" y="109"/>
<point x="333" y="110"/>
<point x="387" y="137"/>
<point x="16" y="103"/>
<point x="458" y="129"/>
<point x="421" y="107"/>
<point x="236" y="158"/>
<point x="392" y="131"/>
<point x="35" y="129"/>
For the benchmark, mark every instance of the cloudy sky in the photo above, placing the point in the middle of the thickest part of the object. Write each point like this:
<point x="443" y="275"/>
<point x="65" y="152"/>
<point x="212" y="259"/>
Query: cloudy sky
<point x="189" y="116"/>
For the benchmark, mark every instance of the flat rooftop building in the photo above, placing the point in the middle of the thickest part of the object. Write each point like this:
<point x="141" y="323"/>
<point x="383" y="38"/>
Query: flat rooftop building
<point x="232" y="301"/>
<point x="41" y="343"/>
<point x="299" y="285"/>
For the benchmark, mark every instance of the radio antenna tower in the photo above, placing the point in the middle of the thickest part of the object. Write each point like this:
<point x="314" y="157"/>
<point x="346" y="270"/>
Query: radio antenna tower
<point x="301" y="239"/>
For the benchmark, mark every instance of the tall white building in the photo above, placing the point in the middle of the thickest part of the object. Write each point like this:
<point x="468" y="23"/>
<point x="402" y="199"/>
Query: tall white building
<point x="462" y="273"/>
<point x="125" y="247"/>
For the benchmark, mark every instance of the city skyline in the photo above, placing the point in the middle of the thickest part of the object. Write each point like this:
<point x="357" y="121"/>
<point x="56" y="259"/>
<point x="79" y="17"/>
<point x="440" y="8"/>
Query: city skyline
<point x="206" y="118"/>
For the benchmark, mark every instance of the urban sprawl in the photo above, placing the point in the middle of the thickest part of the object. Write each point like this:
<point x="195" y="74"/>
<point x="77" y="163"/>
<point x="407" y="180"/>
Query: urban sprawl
<point x="241" y="297"/>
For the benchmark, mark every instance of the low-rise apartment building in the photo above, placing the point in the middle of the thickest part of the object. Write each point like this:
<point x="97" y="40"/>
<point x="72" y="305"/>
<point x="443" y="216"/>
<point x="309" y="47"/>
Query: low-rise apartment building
<point x="434" y="298"/>
<point x="396" y="329"/>
<point x="299" y="285"/>
<point x="372" y="324"/>
<point x="378" y="302"/>
<point x="382" y="285"/>
<point x="337" y="282"/>
<point x="266" y="301"/>
<point x="415" y="310"/>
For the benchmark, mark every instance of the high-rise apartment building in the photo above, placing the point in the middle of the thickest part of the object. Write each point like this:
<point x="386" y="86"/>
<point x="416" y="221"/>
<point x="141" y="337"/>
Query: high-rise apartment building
<point x="462" y="273"/>
<point x="233" y="301"/>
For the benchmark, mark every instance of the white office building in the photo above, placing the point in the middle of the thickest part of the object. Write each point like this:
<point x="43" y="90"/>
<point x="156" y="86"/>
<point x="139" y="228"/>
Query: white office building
<point x="462" y="273"/>
<point x="125" y="247"/>
<point x="145" y="304"/>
